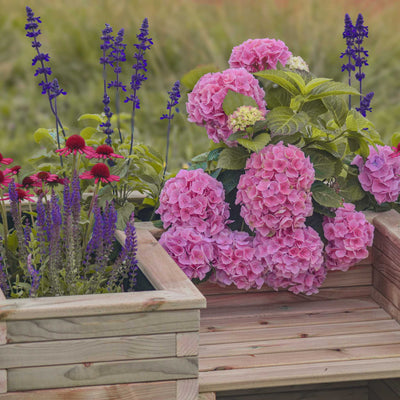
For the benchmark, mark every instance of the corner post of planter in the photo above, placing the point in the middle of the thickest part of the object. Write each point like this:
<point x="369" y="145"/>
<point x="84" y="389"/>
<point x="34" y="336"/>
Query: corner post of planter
<point x="3" y="340"/>
<point x="386" y="262"/>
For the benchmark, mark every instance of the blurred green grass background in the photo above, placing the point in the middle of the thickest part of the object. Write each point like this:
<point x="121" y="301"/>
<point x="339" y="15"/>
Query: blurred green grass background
<point x="186" y="34"/>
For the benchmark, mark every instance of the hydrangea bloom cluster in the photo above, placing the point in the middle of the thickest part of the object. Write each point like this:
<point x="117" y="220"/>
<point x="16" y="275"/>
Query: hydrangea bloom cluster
<point x="243" y="117"/>
<point x="194" y="199"/>
<point x="204" y="104"/>
<point x="296" y="62"/>
<point x="379" y="174"/>
<point x="275" y="189"/>
<point x="348" y="234"/>
<point x="293" y="258"/>
<point x="235" y="261"/>
<point x="190" y="249"/>
<point x="259" y="54"/>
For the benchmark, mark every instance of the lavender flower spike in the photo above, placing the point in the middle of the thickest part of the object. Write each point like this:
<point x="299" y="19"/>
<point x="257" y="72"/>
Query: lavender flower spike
<point x="35" y="276"/>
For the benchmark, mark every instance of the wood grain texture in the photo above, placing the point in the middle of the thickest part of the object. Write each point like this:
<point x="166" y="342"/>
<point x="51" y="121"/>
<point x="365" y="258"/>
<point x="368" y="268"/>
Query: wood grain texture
<point x="387" y="287"/>
<point x="187" y="389"/>
<point x="187" y="344"/>
<point x="3" y="381"/>
<point x="207" y="396"/>
<point x="389" y="268"/>
<point x="87" y="350"/>
<point x="102" y="326"/>
<point x="75" y="375"/>
<point x="386" y="304"/>
<point x="132" y="391"/>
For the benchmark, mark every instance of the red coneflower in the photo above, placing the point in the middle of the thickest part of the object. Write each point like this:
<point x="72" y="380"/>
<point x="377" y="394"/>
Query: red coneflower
<point x="15" y="170"/>
<point x="5" y="179"/>
<point x="100" y="172"/>
<point x="29" y="182"/>
<point x="22" y="195"/>
<point x="5" y="161"/>
<point x="104" y="152"/>
<point x="45" y="177"/>
<point x="75" y="144"/>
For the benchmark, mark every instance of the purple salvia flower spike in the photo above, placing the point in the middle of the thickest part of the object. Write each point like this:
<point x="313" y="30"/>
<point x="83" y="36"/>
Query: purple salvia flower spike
<point x="35" y="276"/>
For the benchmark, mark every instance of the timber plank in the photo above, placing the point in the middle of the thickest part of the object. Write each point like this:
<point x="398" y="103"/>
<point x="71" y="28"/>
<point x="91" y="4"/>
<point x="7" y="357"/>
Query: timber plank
<point x="215" y="381"/>
<point x="299" y="331"/>
<point x="248" y="361"/>
<point x="165" y="390"/>
<point x="72" y="375"/>
<point x="87" y="350"/>
<point x="102" y="326"/>
<point x="290" y="345"/>
<point x="387" y="267"/>
<point x="386" y="304"/>
<point x="260" y="321"/>
<point x="187" y="344"/>
<point x="387" y="288"/>
<point x="206" y="396"/>
<point x="3" y="381"/>
<point x="187" y="389"/>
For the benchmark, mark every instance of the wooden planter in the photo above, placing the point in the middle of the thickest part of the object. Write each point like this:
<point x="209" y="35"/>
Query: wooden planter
<point x="141" y="345"/>
<point x="263" y="344"/>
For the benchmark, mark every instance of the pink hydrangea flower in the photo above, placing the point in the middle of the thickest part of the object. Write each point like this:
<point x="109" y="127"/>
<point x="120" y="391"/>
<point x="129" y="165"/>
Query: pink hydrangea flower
<point x="195" y="199"/>
<point x="348" y="234"/>
<point x="294" y="259"/>
<point x="259" y="54"/>
<point x="380" y="173"/>
<point x="204" y="104"/>
<point x="274" y="191"/>
<point x="191" y="250"/>
<point x="235" y="261"/>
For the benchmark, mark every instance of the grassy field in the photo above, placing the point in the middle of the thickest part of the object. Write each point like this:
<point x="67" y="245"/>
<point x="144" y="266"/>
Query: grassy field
<point x="186" y="34"/>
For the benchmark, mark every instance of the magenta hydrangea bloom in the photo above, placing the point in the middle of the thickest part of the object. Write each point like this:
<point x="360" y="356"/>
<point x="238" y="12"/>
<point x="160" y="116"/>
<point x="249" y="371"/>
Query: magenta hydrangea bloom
<point x="379" y="174"/>
<point x="274" y="191"/>
<point x="195" y="199"/>
<point x="191" y="250"/>
<point x="204" y="104"/>
<point x="259" y="54"/>
<point x="348" y="234"/>
<point x="293" y="258"/>
<point x="235" y="261"/>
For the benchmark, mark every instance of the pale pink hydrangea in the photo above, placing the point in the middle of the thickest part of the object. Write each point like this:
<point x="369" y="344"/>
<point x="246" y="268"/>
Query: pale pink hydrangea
<point x="380" y="173"/>
<point x="195" y="199"/>
<point x="259" y="54"/>
<point x="235" y="261"/>
<point x="204" y="104"/>
<point x="293" y="258"/>
<point x="191" y="250"/>
<point x="348" y="234"/>
<point x="274" y="191"/>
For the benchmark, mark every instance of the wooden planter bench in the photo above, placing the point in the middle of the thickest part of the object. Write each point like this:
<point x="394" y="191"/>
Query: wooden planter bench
<point x="252" y="343"/>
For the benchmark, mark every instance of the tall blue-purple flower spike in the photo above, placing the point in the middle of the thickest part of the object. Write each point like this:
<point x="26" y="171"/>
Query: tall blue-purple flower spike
<point x="365" y="104"/>
<point x="105" y="60"/>
<point x="4" y="287"/>
<point x="35" y="276"/>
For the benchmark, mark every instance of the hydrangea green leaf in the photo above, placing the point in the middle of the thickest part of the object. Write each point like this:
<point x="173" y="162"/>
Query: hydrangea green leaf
<point x="88" y="132"/>
<point x="94" y="117"/>
<point x="284" y="121"/>
<point x="357" y="123"/>
<point x="323" y="162"/>
<point x="281" y="78"/>
<point x="234" y="100"/>
<point x="331" y="89"/>
<point x="233" y="158"/>
<point x="337" y="107"/>
<point x="350" y="188"/>
<point x="325" y="195"/>
<point x="257" y="143"/>
<point x="314" y="83"/>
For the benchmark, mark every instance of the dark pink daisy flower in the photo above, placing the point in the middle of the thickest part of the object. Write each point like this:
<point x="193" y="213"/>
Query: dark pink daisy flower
<point x="104" y="152"/>
<point x="22" y="195"/>
<point x="15" y="170"/>
<point x="5" y="178"/>
<point x="100" y="172"/>
<point x="45" y="177"/>
<point x="29" y="182"/>
<point x="75" y="144"/>
<point x="5" y="161"/>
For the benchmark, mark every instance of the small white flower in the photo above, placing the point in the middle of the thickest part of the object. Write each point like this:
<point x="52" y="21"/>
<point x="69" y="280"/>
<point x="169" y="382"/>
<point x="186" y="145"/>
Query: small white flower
<point x="296" y="62"/>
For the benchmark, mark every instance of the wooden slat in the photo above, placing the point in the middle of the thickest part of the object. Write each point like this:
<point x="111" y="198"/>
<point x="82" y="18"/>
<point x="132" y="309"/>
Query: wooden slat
<point x="215" y="381"/>
<point x="387" y="305"/>
<point x="187" y="389"/>
<point x="102" y="326"/>
<point x="298" y="331"/>
<point x="87" y="350"/>
<point x="3" y="381"/>
<point x="387" y="267"/>
<point x="387" y="287"/>
<point x="58" y="376"/>
<point x="165" y="390"/>
<point x="207" y="396"/>
<point x="299" y="344"/>
<point x="260" y="321"/>
<point x="187" y="344"/>
<point x="248" y="361"/>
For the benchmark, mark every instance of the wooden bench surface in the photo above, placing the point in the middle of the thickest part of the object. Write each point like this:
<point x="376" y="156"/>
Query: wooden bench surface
<point x="259" y="339"/>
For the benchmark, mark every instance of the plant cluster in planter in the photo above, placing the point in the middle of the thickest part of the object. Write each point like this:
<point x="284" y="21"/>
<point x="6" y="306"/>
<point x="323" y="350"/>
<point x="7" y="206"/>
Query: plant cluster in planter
<point x="81" y="184"/>
<point x="278" y="198"/>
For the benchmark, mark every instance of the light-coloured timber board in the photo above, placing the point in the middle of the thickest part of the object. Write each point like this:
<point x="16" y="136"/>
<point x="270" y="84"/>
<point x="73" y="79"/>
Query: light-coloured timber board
<point x="187" y="389"/>
<point x="160" y="269"/>
<point x="236" y="306"/>
<point x="247" y="362"/>
<point x="165" y="390"/>
<point x="386" y="304"/>
<point x="102" y="326"/>
<point x="88" y="350"/>
<point x="260" y="320"/>
<point x="388" y="224"/>
<point x="298" y="331"/>
<point x="187" y="344"/>
<point x="299" y="344"/>
<point x="71" y="375"/>
<point x="3" y="381"/>
<point x="356" y="393"/>
<point x="387" y="267"/>
<point x="360" y="275"/>
<point x="387" y="287"/>
<point x="205" y="396"/>
<point x="381" y="391"/>
<point x="338" y="371"/>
